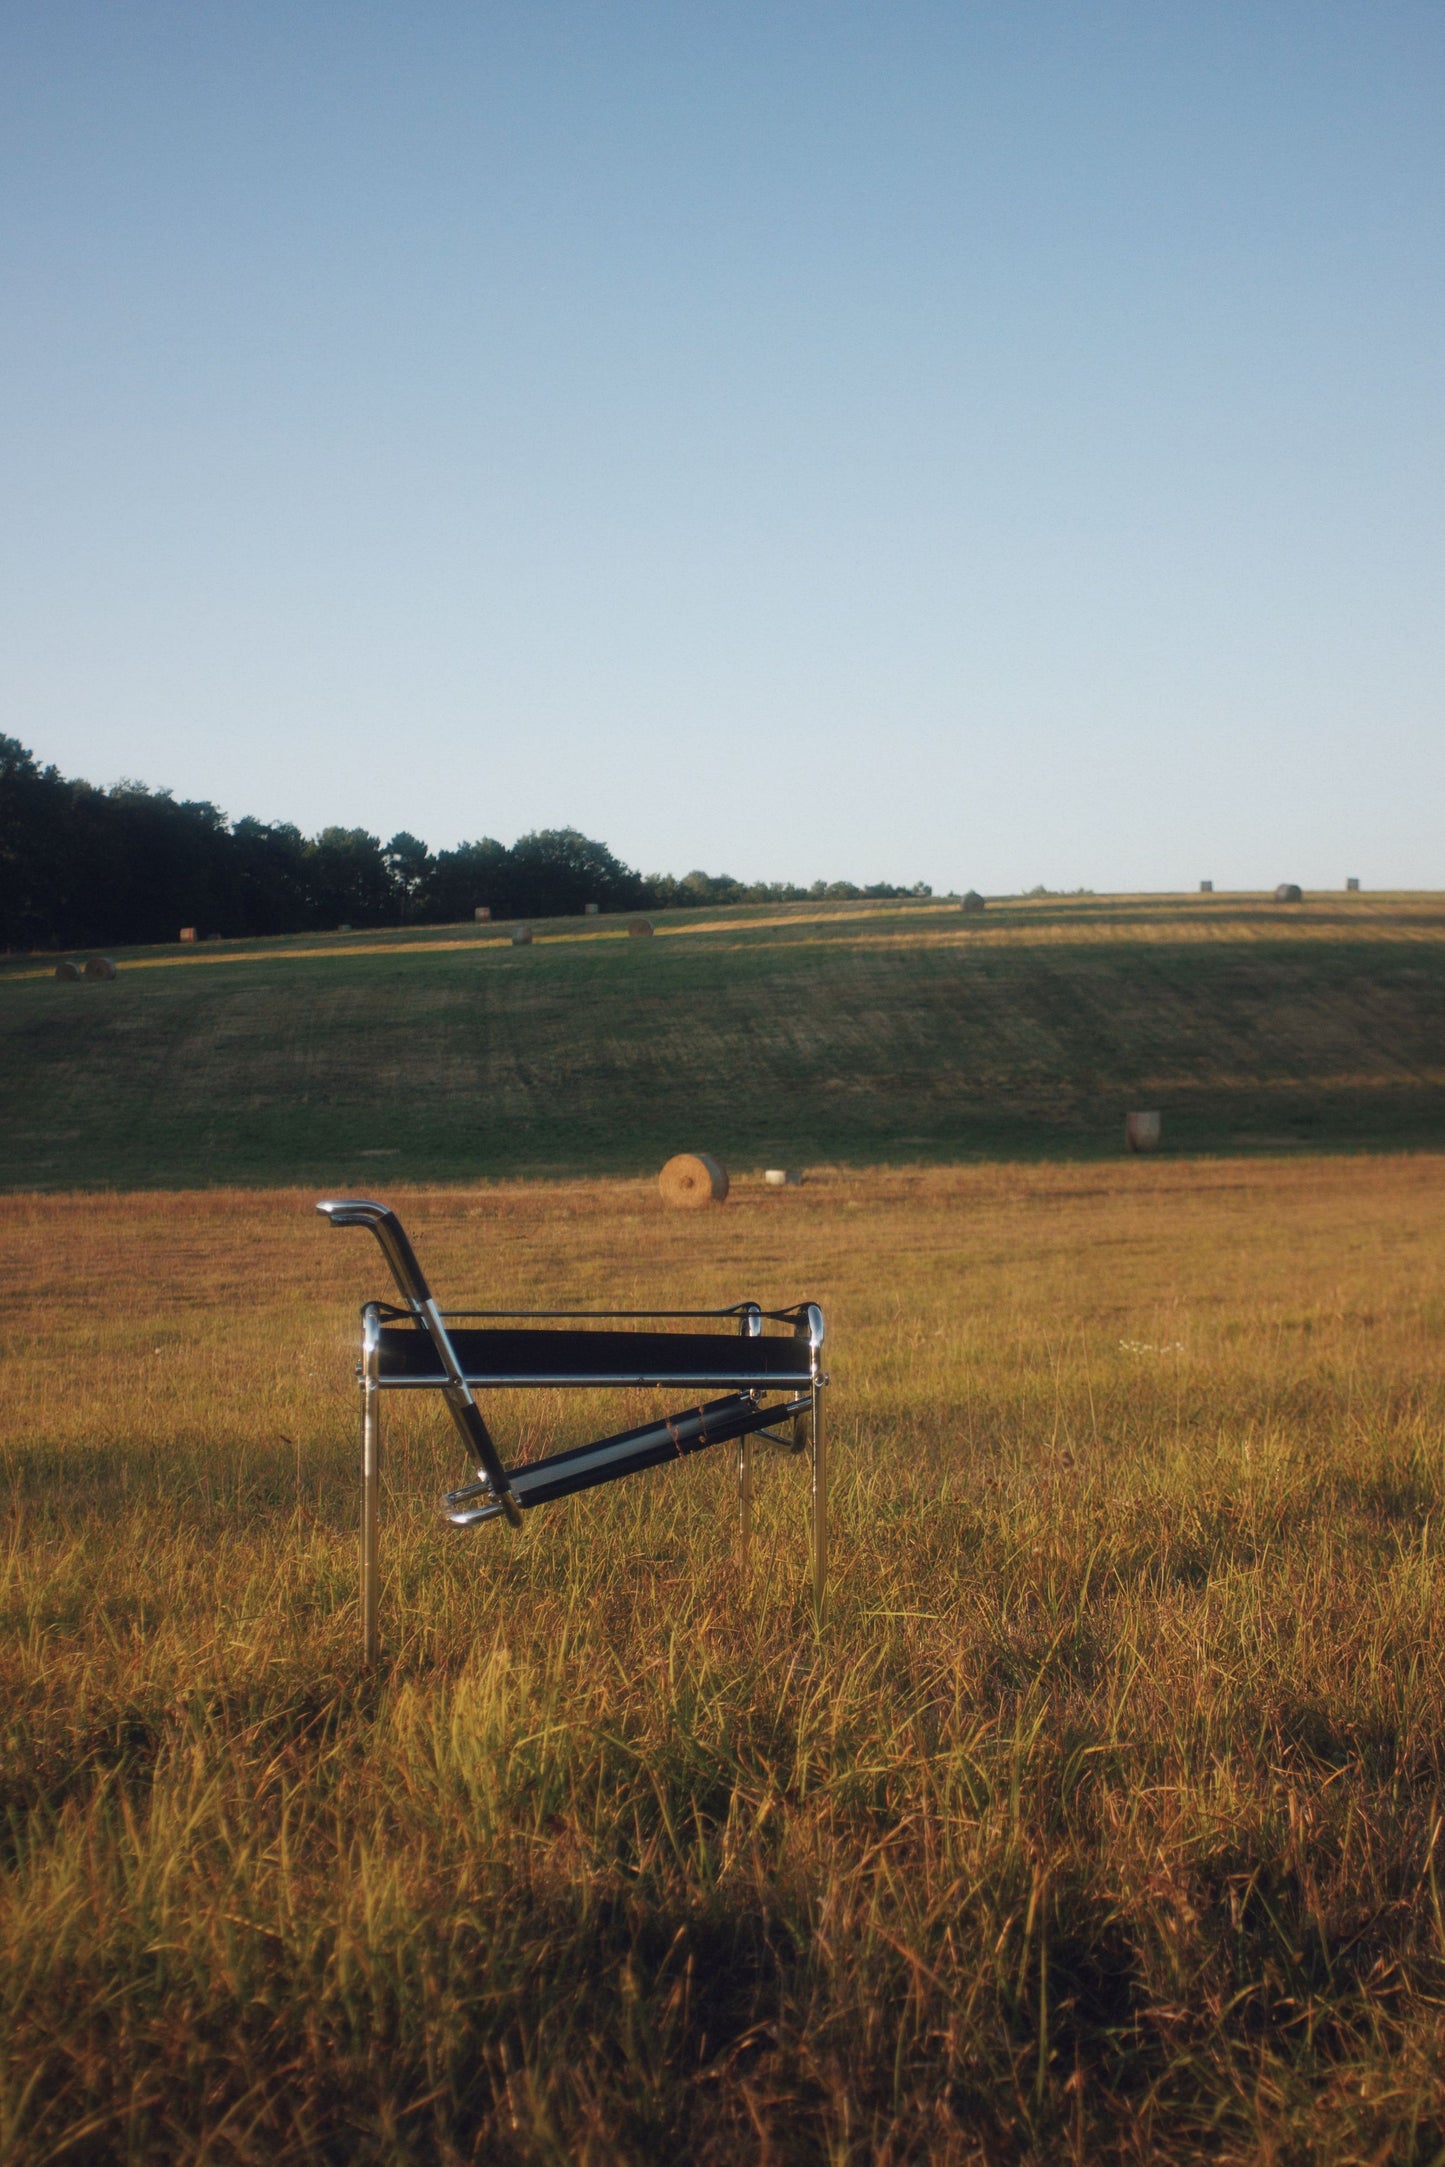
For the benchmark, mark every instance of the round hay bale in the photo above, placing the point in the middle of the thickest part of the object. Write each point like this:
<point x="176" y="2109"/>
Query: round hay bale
<point x="692" y="1180"/>
<point x="482" y="913"/>
<point x="521" y="936"/>
<point x="68" y="973"/>
<point x="640" y="929"/>
<point x="188" y="933"/>
<point x="100" y="967"/>
<point x="1143" y="1132"/>
<point x="783" y="1177"/>
<point x="1287" y="892"/>
<point x="974" y="901"/>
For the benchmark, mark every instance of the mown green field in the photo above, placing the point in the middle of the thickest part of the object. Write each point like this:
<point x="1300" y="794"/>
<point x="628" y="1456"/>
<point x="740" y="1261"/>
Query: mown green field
<point x="862" y="1034"/>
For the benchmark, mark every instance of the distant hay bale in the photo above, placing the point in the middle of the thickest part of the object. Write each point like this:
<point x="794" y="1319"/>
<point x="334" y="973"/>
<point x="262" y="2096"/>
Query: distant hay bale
<point x="640" y="929"/>
<point x="590" y="910"/>
<point x="1143" y="1132"/>
<point x="1287" y="892"/>
<point x="100" y="967"/>
<point x="783" y="1177"/>
<point x="692" y="1180"/>
<point x="482" y="913"/>
<point x="974" y="901"/>
<point x="521" y="936"/>
<point x="68" y="973"/>
<point x="188" y="932"/>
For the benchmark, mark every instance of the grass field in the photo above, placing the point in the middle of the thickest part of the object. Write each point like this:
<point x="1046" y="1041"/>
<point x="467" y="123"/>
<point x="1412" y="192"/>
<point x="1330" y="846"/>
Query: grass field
<point x="1102" y="1821"/>
<point x="846" y="1034"/>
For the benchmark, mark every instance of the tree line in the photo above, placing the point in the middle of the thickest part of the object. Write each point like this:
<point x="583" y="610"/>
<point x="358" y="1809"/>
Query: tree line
<point x="82" y="866"/>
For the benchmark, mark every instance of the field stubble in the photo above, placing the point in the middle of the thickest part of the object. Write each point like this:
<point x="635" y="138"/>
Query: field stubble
<point x="1102" y="1821"/>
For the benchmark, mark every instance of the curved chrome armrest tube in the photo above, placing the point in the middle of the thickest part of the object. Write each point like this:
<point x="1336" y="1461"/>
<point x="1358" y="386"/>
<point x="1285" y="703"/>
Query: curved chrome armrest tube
<point x="408" y="1274"/>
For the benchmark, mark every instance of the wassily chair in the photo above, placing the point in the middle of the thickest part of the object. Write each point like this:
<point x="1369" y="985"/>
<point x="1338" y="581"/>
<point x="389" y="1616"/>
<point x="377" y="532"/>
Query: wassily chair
<point x="767" y="1378"/>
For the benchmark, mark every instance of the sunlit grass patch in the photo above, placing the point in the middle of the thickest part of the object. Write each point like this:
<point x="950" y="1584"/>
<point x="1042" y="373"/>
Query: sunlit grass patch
<point x="1102" y="1821"/>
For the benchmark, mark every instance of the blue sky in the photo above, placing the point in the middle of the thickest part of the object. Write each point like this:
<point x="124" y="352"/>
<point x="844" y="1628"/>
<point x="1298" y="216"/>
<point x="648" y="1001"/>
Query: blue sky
<point x="984" y="443"/>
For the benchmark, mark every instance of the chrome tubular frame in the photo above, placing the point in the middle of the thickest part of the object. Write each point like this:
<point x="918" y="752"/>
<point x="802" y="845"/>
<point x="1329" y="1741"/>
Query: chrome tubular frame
<point x="819" y="1444"/>
<point x="673" y="1437"/>
<point x="498" y="1492"/>
<point x="370" y="1478"/>
<point x="750" y="1325"/>
<point x="399" y="1254"/>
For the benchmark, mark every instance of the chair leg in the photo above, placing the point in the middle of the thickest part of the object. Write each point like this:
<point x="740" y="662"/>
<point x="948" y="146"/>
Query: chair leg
<point x="745" y="1495"/>
<point x="820" y="1503"/>
<point x="370" y="1498"/>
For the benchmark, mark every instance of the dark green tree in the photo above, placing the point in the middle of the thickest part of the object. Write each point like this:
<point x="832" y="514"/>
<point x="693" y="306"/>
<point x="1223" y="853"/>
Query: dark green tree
<point x="346" y="878"/>
<point x="34" y="843"/>
<point x="463" y="879"/>
<point x="408" y="863"/>
<point x="558" y="871"/>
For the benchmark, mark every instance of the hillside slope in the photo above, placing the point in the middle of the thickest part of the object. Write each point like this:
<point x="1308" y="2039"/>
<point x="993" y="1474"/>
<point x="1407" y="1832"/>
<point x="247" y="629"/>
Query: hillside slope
<point x="889" y="1032"/>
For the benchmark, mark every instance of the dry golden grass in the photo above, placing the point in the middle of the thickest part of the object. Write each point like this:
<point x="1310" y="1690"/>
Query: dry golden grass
<point x="1235" y="919"/>
<point x="1101" y="1822"/>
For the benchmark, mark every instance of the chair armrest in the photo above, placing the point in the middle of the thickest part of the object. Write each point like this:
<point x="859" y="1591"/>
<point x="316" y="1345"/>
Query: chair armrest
<point x="391" y="1234"/>
<point x="408" y="1274"/>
